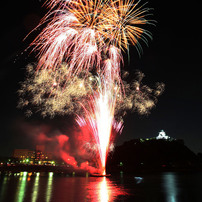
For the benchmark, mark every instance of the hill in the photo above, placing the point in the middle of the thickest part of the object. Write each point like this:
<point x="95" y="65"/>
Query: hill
<point x="152" y="155"/>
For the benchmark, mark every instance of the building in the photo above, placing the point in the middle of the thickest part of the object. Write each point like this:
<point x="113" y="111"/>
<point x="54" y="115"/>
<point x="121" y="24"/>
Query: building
<point x="43" y="157"/>
<point x="162" y="136"/>
<point x="24" y="155"/>
<point x="20" y="153"/>
<point x="39" y="156"/>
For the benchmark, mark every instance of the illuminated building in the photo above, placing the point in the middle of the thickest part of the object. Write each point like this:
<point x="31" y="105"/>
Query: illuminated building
<point x="162" y="135"/>
<point x="43" y="157"/>
<point x="39" y="156"/>
<point x="25" y="156"/>
<point x="20" y="153"/>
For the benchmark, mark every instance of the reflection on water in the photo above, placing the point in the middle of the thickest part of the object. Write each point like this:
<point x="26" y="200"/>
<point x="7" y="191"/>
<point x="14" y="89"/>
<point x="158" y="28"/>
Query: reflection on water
<point x="170" y="187"/>
<point x="21" y="188"/>
<point x="103" y="190"/>
<point x="49" y="187"/>
<point x="4" y="187"/>
<point x="35" y="188"/>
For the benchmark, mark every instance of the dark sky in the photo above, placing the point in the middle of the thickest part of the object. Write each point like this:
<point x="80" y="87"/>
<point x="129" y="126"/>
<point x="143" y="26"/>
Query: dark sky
<point x="173" y="57"/>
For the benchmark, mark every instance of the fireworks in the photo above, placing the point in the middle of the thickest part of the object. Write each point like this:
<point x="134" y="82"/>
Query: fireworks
<point x="101" y="114"/>
<point x="81" y="31"/>
<point x="79" y="66"/>
<point x="101" y="103"/>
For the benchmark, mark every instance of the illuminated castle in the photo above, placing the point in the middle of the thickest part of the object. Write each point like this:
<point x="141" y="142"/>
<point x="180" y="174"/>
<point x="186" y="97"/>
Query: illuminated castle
<point x="162" y="135"/>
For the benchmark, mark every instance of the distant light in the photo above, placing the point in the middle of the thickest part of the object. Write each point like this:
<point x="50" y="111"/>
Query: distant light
<point x="50" y="174"/>
<point x="162" y="135"/>
<point x="138" y="179"/>
<point x="24" y="173"/>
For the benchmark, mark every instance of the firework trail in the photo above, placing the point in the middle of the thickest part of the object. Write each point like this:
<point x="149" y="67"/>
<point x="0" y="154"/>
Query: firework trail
<point x="100" y="118"/>
<point x="80" y="58"/>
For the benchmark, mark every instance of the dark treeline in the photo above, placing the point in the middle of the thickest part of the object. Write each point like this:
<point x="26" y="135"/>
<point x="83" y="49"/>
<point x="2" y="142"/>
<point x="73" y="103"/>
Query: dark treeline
<point x="147" y="155"/>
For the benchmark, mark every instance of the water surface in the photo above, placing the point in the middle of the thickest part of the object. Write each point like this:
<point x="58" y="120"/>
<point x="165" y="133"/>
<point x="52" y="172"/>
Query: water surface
<point x="48" y="187"/>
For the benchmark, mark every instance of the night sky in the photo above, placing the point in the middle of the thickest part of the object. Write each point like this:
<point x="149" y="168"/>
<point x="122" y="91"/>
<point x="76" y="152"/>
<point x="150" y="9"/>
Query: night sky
<point x="172" y="57"/>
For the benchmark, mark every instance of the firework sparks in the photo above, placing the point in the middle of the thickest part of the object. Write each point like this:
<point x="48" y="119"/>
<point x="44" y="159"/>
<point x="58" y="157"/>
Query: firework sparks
<point x="82" y="30"/>
<point x="80" y="61"/>
<point x="101" y="116"/>
<point x="122" y="20"/>
<point x="51" y="92"/>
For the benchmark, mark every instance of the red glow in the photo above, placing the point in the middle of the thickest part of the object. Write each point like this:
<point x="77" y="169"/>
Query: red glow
<point x="103" y="190"/>
<point x="42" y="138"/>
<point x="87" y="167"/>
<point x="62" y="139"/>
<point x="61" y="147"/>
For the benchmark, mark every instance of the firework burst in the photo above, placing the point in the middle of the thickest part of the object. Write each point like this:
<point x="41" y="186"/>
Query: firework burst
<point x="123" y="20"/>
<point x="81" y="31"/>
<point x="79" y="61"/>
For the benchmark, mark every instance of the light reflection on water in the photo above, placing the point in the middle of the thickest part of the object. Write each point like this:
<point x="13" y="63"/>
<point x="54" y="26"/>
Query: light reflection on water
<point x="35" y="188"/>
<point x="4" y="187"/>
<point x="28" y="187"/>
<point x="170" y="185"/>
<point x="21" y="188"/>
<point x="49" y="187"/>
<point x="165" y="187"/>
<point x="104" y="190"/>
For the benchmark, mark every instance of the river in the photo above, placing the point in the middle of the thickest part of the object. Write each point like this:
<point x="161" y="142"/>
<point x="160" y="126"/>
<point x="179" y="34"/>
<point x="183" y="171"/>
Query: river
<point x="49" y="187"/>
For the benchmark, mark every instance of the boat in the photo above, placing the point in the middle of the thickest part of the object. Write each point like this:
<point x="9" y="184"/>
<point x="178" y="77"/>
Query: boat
<point x="100" y="175"/>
